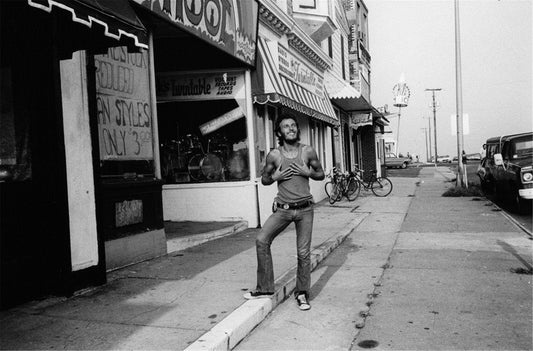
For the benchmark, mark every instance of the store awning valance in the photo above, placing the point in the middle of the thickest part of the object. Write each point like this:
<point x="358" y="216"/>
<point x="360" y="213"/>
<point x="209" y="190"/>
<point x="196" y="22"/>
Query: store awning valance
<point x="338" y="88"/>
<point x="379" y="118"/>
<point x="272" y="87"/>
<point x="117" y="17"/>
<point x="344" y="95"/>
<point x="358" y="120"/>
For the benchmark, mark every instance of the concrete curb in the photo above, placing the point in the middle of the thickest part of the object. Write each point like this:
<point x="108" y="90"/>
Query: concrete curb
<point x="511" y="219"/>
<point x="232" y="329"/>
<point x="178" y="244"/>
<point x="452" y="178"/>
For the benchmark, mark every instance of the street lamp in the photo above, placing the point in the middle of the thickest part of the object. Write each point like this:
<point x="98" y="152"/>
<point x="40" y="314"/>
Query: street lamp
<point x="401" y="95"/>
<point x="433" y="90"/>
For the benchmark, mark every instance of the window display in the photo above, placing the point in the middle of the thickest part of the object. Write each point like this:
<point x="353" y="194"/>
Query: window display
<point x="202" y="126"/>
<point x="203" y="141"/>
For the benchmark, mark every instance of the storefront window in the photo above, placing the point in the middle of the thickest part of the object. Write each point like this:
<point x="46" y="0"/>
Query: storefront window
<point x="188" y="156"/>
<point x="124" y="113"/>
<point x="202" y="127"/>
<point x="15" y="153"/>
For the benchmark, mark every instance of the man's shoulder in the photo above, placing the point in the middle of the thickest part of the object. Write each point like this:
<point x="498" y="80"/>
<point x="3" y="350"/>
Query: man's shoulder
<point x="274" y="154"/>
<point x="306" y="149"/>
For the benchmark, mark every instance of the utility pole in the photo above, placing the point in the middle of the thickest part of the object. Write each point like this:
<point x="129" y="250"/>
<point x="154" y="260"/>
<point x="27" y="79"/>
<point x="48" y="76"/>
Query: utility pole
<point x="433" y="90"/>
<point x="426" y="140"/>
<point x="461" y="179"/>
<point x="429" y="134"/>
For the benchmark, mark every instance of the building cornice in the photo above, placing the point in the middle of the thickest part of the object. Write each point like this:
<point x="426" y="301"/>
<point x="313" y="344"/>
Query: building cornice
<point x="272" y="16"/>
<point x="273" y="21"/>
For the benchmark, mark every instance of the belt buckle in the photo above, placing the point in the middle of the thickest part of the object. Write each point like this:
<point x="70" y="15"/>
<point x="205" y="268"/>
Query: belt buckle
<point x="285" y="206"/>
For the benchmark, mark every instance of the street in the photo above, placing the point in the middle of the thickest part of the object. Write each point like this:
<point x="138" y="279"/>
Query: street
<point x="435" y="280"/>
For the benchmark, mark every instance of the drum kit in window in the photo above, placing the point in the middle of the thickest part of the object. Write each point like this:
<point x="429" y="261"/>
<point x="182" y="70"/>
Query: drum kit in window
<point x="185" y="160"/>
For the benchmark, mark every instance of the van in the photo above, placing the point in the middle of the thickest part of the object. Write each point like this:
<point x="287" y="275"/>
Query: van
<point x="507" y="169"/>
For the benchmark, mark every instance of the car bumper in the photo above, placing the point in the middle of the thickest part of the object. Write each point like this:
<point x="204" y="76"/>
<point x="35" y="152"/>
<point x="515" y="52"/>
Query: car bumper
<point x="526" y="193"/>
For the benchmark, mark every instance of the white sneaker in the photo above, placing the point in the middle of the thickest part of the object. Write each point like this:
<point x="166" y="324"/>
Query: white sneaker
<point x="302" y="302"/>
<point x="252" y="295"/>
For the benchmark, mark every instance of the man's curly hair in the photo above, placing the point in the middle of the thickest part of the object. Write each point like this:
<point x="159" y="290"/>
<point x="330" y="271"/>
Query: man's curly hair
<point x="277" y="129"/>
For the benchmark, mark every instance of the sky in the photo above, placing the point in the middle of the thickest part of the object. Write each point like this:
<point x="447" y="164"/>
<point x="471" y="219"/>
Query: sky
<point x="416" y="39"/>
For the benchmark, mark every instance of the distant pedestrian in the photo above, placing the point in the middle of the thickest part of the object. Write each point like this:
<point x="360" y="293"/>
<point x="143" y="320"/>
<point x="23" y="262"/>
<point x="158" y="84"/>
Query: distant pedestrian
<point x="483" y="151"/>
<point x="290" y="165"/>
<point x="464" y="157"/>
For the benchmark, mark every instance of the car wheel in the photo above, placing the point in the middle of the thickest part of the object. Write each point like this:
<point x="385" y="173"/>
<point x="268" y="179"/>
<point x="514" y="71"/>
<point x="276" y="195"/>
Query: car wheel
<point x="497" y="191"/>
<point x="521" y="205"/>
<point x="404" y="165"/>
<point x="485" y="186"/>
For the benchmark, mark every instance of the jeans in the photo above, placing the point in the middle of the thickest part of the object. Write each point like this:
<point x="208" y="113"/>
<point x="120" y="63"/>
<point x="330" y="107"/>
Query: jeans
<point x="275" y="224"/>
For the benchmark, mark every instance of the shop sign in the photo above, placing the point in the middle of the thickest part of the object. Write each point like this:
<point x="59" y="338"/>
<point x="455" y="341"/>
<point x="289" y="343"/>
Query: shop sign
<point x="360" y="119"/>
<point x="355" y="77"/>
<point x="221" y="121"/>
<point x="123" y="105"/>
<point x="199" y="86"/>
<point x="297" y="71"/>
<point x="401" y="94"/>
<point x="229" y="25"/>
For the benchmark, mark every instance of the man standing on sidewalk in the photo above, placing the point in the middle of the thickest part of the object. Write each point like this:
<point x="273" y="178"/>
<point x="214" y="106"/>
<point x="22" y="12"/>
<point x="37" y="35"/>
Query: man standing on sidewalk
<point x="291" y="165"/>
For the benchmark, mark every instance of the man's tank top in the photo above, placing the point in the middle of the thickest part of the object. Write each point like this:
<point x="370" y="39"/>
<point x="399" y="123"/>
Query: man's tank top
<point x="297" y="188"/>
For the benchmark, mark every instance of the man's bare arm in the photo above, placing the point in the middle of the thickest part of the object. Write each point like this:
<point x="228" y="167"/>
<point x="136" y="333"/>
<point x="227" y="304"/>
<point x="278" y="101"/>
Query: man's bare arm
<point x="317" y="172"/>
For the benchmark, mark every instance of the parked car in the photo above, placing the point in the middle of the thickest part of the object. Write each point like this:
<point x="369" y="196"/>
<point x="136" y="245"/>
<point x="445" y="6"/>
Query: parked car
<point x="444" y="159"/>
<point x="507" y="170"/>
<point x="473" y="157"/>
<point x="393" y="161"/>
<point x="470" y="157"/>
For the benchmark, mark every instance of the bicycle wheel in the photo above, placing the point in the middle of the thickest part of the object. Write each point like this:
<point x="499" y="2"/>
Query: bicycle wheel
<point x="353" y="190"/>
<point x="335" y="194"/>
<point x="328" y="187"/>
<point x="381" y="186"/>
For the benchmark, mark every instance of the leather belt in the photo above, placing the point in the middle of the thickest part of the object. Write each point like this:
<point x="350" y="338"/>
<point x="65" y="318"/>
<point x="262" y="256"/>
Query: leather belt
<point x="295" y="205"/>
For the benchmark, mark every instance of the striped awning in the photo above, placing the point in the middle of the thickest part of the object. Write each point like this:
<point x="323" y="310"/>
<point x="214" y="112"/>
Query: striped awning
<point x="276" y="88"/>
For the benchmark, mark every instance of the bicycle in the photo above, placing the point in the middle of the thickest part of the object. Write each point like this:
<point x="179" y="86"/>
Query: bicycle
<point x="380" y="186"/>
<point x="341" y="184"/>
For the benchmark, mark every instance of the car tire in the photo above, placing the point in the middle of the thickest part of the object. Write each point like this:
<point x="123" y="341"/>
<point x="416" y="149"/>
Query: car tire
<point x="404" y="165"/>
<point x="485" y="186"/>
<point x="521" y="205"/>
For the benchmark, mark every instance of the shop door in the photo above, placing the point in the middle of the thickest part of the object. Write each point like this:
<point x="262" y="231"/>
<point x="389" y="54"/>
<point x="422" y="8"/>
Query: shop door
<point x="34" y="244"/>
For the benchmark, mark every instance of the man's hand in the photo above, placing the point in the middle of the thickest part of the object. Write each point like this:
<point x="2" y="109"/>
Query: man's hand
<point x="301" y="170"/>
<point x="282" y="175"/>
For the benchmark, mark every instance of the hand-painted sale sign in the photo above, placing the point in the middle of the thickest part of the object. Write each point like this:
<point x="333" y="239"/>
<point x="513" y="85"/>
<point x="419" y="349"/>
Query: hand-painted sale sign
<point x="230" y="25"/>
<point x="123" y="105"/>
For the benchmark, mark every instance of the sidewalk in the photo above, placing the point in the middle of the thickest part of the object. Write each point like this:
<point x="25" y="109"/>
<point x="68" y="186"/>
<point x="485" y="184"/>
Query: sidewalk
<point x="421" y="272"/>
<point x="193" y="298"/>
<point x="170" y="302"/>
